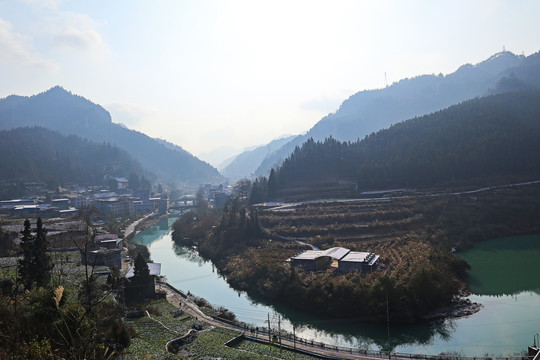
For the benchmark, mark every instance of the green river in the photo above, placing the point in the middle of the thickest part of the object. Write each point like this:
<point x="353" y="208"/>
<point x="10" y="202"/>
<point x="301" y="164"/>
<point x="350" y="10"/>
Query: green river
<point x="503" y="279"/>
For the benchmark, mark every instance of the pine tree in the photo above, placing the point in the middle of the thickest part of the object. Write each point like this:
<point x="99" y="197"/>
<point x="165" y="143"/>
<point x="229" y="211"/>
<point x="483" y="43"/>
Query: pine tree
<point x="26" y="266"/>
<point x="141" y="280"/>
<point x="272" y="184"/>
<point x="35" y="266"/>
<point x="141" y="273"/>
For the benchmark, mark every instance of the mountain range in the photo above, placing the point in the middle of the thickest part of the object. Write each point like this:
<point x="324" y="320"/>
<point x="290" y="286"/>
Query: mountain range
<point x="483" y="141"/>
<point x="69" y="114"/>
<point x="245" y="164"/>
<point x="360" y="115"/>
<point x="371" y="110"/>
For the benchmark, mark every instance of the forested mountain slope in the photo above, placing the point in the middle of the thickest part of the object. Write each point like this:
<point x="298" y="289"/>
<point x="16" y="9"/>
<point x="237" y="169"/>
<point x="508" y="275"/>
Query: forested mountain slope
<point x="69" y="114"/>
<point x="495" y="137"/>
<point x="371" y="110"/>
<point x="39" y="154"/>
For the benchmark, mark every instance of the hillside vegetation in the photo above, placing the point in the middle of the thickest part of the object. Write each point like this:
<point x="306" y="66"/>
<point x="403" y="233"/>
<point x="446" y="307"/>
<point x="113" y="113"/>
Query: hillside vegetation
<point x="494" y="139"/>
<point x="371" y="110"/>
<point x="39" y="154"/>
<point x="59" y="110"/>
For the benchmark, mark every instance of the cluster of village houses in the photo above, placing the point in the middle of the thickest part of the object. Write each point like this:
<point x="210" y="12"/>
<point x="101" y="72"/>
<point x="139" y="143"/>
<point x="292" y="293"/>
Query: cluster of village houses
<point x="108" y="203"/>
<point x="68" y="235"/>
<point x="105" y="249"/>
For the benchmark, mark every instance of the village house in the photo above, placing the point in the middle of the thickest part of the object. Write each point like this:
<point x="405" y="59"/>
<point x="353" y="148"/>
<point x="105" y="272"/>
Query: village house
<point x="346" y="259"/>
<point x="108" y="241"/>
<point x="102" y="257"/>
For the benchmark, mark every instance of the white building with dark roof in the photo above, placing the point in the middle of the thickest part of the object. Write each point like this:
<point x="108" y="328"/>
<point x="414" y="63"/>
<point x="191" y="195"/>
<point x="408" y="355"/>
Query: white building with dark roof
<point x="358" y="261"/>
<point x="347" y="260"/>
<point x="108" y="241"/>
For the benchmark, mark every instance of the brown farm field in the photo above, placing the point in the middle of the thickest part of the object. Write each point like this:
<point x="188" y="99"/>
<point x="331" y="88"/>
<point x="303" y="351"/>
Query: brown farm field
<point x="455" y="219"/>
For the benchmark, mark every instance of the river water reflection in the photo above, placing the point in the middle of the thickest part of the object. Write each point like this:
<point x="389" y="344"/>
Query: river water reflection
<point x="503" y="279"/>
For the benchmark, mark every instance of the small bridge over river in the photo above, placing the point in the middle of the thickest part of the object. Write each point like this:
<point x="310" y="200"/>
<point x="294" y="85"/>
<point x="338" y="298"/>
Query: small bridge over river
<point x="184" y="203"/>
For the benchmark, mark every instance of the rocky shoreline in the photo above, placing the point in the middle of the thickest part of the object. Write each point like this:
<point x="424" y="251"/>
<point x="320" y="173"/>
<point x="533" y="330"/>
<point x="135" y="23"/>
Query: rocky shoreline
<point x="461" y="308"/>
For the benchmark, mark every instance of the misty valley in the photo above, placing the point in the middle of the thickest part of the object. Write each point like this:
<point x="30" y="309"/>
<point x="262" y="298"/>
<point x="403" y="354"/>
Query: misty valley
<point x="404" y="224"/>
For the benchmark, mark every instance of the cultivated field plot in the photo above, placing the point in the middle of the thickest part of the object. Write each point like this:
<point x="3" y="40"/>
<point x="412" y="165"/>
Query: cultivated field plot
<point x="383" y="226"/>
<point x="151" y="334"/>
<point x="405" y="228"/>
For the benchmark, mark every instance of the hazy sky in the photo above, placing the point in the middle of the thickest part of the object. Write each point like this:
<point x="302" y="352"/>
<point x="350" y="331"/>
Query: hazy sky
<point x="203" y="74"/>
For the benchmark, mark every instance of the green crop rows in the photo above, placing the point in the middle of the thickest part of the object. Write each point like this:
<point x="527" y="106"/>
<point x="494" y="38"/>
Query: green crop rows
<point x="153" y="333"/>
<point x="152" y="336"/>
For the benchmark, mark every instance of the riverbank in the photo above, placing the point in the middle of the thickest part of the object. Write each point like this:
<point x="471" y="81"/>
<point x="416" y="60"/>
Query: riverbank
<point x="415" y="277"/>
<point x="503" y="327"/>
<point x="137" y="225"/>
<point x="282" y="339"/>
<point x="148" y="221"/>
<point x="462" y="307"/>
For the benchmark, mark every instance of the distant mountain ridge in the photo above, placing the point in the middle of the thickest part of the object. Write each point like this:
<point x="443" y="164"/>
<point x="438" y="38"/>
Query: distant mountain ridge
<point x="220" y="155"/>
<point x="245" y="164"/>
<point x="70" y="114"/>
<point x="371" y="110"/>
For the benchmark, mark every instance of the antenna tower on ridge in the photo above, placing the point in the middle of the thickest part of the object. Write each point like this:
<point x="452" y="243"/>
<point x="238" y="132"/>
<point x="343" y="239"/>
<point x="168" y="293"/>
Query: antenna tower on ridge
<point x="385" y="80"/>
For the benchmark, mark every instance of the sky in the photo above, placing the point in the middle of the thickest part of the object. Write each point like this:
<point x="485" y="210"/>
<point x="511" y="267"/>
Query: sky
<point x="232" y="74"/>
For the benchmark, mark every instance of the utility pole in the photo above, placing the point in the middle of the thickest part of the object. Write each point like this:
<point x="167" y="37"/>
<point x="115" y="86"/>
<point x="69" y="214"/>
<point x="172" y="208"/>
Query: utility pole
<point x="269" y="336"/>
<point x="294" y="336"/>
<point x="279" y="329"/>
